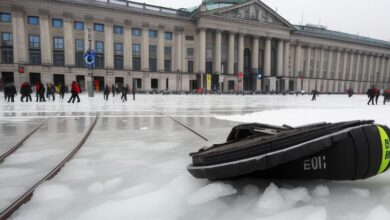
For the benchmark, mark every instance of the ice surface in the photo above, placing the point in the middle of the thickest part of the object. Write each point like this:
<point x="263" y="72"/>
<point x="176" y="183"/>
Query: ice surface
<point x="133" y="166"/>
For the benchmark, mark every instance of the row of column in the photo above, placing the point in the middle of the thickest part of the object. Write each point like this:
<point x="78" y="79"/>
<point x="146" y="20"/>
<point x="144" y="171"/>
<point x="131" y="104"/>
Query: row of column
<point x="282" y="54"/>
<point x="380" y="65"/>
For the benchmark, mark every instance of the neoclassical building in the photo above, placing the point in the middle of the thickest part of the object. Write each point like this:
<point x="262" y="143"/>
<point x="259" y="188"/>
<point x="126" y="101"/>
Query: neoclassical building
<point x="228" y="45"/>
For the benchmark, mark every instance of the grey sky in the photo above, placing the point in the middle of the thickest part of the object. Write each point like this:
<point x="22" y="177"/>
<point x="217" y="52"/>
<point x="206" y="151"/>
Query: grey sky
<point x="366" y="18"/>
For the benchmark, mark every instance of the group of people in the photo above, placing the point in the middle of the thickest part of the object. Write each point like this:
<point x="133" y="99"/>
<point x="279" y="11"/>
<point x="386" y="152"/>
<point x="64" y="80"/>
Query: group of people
<point x="373" y="94"/>
<point x="42" y="92"/>
<point x="116" y="90"/>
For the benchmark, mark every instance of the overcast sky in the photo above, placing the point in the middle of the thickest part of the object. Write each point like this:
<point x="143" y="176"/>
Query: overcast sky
<point x="366" y="18"/>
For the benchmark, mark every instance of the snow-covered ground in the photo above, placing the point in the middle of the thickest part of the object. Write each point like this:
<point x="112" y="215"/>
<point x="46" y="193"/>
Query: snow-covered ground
<point x="133" y="166"/>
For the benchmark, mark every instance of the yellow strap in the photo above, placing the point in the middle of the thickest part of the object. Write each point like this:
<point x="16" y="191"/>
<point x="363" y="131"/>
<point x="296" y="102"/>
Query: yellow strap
<point x="385" y="150"/>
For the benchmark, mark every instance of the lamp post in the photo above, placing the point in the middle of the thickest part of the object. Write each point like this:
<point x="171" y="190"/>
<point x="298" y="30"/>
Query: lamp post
<point x="90" y="66"/>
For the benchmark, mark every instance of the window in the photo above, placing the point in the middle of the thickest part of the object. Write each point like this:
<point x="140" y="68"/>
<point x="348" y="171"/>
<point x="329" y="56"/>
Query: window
<point x="190" y="66"/>
<point x="99" y="47"/>
<point x="7" y="55"/>
<point x="79" y="56"/>
<point x="35" y="57"/>
<point x="153" y="33"/>
<point x="136" y="50"/>
<point x="33" y="20"/>
<point x="34" y="42"/>
<point x="136" y="32"/>
<point x="80" y="45"/>
<point x="99" y="27"/>
<point x="118" y="55"/>
<point x="189" y="37"/>
<point x="153" y="58"/>
<point x="56" y="22"/>
<point x="118" y="47"/>
<point x="168" y="35"/>
<point x="138" y="83"/>
<point x="79" y="25"/>
<point x="118" y="30"/>
<point x="6" y="39"/>
<point x="167" y="59"/>
<point x="58" y="43"/>
<point x="136" y="57"/>
<point x="99" y="59"/>
<point x="5" y="17"/>
<point x="190" y="52"/>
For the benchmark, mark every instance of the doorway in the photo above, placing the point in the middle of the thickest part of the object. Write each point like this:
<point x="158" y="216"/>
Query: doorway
<point x="119" y="81"/>
<point x="7" y="77"/>
<point x="35" y="78"/>
<point x="58" y="79"/>
<point x="248" y="78"/>
<point x="80" y="79"/>
<point x="98" y="82"/>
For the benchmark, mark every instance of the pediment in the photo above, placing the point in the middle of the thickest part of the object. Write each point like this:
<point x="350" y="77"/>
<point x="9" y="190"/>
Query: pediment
<point x="254" y="11"/>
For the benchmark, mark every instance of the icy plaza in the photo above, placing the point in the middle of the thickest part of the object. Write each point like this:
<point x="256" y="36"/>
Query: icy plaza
<point x="133" y="165"/>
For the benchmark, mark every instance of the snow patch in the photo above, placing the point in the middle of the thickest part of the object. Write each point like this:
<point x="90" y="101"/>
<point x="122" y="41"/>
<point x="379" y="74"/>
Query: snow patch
<point x="50" y="191"/>
<point x="361" y="192"/>
<point x="321" y="191"/>
<point x="250" y="190"/>
<point x="378" y="212"/>
<point x="210" y="192"/>
<point x="144" y="128"/>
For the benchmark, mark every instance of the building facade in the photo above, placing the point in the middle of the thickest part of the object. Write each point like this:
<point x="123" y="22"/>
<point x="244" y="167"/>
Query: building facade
<point x="222" y="45"/>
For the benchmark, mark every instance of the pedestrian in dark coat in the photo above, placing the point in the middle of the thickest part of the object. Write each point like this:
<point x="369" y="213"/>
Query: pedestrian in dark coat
<point x="113" y="90"/>
<point x="41" y="93"/>
<point x="350" y="92"/>
<point x="315" y="94"/>
<point x="75" y="90"/>
<point x="385" y="96"/>
<point x="25" y="91"/>
<point x="50" y="91"/>
<point x="10" y="89"/>
<point x="37" y="85"/>
<point x="106" y="92"/>
<point x="63" y="89"/>
<point x="125" y="89"/>
<point x="371" y="95"/>
<point x="377" y="94"/>
<point x="133" y="94"/>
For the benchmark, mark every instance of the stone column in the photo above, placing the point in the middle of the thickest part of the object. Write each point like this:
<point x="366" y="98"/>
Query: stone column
<point x="128" y="46"/>
<point x="109" y="44"/>
<point x="145" y="47"/>
<point x="217" y="58"/>
<point x="315" y="63"/>
<point x="307" y="72"/>
<point x="337" y="75"/>
<point x="364" y="71"/>
<point x="329" y="68"/>
<point x="297" y="60"/>
<point x="255" y="54"/>
<point x="46" y="40"/>
<point x="356" y="78"/>
<point x="371" y="69"/>
<point x="286" y="58"/>
<point x="376" y="70"/>
<point x="321" y="71"/>
<point x="382" y="71"/>
<point x="88" y="25"/>
<point x="231" y="53"/>
<point x="343" y="76"/>
<point x="279" y="62"/>
<point x="69" y="40"/>
<point x="241" y="53"/>
<point x="178" y="55"/>
<point x="387" y="75"/>
<point x="267" y="57"/>
<point x="160" y="48"/>
<point x="19" y="35"/>
<point x="202" y="50"/>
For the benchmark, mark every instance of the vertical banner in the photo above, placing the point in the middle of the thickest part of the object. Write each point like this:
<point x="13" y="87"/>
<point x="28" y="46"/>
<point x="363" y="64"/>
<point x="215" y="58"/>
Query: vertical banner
<point x="208" y="82"/>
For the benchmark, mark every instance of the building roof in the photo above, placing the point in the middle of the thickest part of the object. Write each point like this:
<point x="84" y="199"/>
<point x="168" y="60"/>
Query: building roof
<point x="321" y="31"/>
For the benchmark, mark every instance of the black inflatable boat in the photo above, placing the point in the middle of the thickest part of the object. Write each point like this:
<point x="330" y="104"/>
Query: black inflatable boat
<point x="334" y="151"/>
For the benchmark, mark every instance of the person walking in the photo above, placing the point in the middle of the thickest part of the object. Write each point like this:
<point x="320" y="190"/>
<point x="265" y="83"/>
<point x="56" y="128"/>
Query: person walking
<point x="25" y="91"/>
<point x="50" y="91"/>
<point x="125" y="89"/>
<point x="37" y="90"/>
<point x="113" y="90"/>
<point x="106" y="92"/>
<point x="41" y="93"/>
<point x="11" y="92"/>
<point x="385" y="96"/>
<point x="371" y="95"/>
<point x="377" y="94"/>
<point x="75" y="90"/>
<point x="133" y="90"/>
<point x="62" y="90"/>
<point x="315" y="94"/>
<point x="350" y="92"/>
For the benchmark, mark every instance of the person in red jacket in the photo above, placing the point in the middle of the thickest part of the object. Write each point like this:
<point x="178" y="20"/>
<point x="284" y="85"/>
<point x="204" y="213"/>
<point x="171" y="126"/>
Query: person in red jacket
<point x="75" y="90"/>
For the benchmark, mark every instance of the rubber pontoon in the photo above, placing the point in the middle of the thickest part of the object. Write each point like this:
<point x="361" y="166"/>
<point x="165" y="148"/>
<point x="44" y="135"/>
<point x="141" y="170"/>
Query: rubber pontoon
<point x="334" y="151"/>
